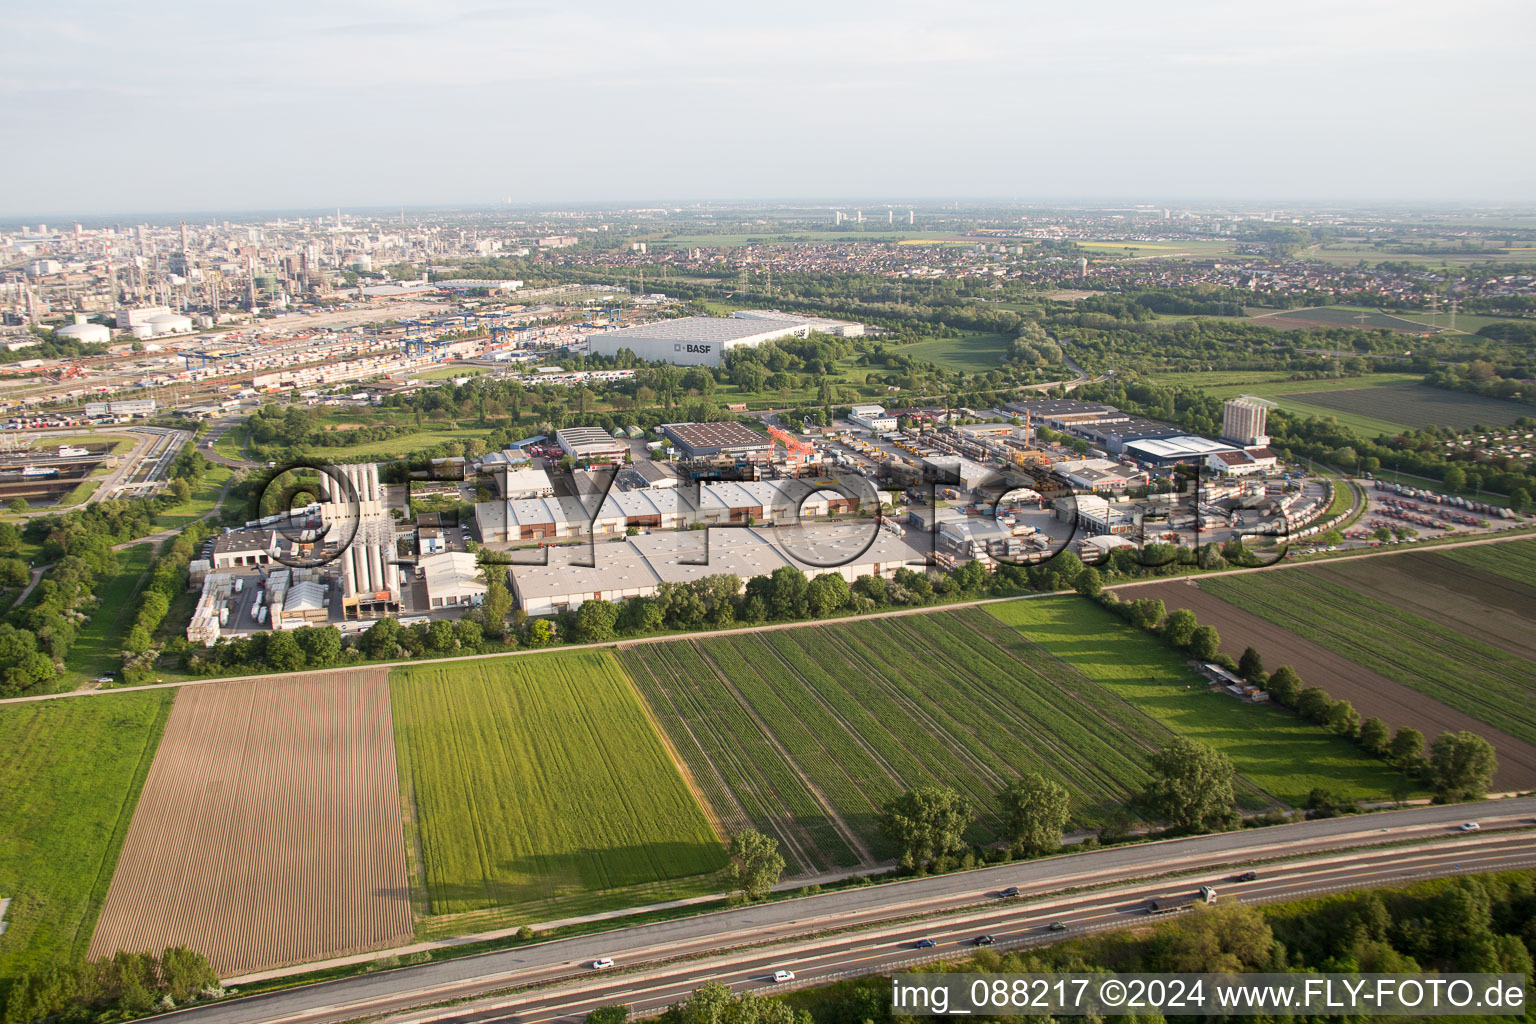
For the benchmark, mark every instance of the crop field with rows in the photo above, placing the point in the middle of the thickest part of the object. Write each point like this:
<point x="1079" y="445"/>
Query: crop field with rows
<point x="1357" y="612"/>
<point x="268" y="832"/>
<point x="806" y="733"/>
<point x="536" y="788"/>
<point x="1278" y="757"/>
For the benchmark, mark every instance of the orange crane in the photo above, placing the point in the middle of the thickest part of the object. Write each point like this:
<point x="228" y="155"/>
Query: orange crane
<point x="792" y="444"/>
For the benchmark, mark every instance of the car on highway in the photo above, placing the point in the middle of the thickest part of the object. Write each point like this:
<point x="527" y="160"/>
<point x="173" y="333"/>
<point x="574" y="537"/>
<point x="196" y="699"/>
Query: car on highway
<point x="924" y="944"/>
<point x="1057" y="926"/>
<point x="1009" y="892"/>
<point x="1246" y="876"/>
<point x="602" y="963"/>
<point x="782" y="976"/>
<point x="1470" y="826"/>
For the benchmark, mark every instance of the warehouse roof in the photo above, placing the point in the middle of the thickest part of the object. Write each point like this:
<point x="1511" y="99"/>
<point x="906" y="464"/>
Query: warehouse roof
<point x="728" y="434"/>
<point x="698" y="329"/>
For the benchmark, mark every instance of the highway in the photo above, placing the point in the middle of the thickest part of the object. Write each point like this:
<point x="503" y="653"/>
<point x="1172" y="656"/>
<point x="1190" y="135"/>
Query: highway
<point x="966" y="900"/>
<point x="1019" y="925"/>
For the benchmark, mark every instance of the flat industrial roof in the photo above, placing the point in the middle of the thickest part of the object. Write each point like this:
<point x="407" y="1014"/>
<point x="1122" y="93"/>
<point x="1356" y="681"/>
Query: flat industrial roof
<point x="649" y="560"/>
<point x="727" y="434"/>
<point x="695" y="329"/>
<point x="1174" y="447"/>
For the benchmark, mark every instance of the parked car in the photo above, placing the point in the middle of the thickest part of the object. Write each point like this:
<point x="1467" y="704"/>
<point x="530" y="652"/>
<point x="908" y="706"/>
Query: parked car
<point x="1470" y="826"/>
<point x="925" y="944"/>
<point x="783" y="976"/>
<point x="602" y="963"/>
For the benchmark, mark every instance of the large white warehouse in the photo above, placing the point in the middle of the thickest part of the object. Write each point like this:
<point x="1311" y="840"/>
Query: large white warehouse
<point x="703" y="340"/>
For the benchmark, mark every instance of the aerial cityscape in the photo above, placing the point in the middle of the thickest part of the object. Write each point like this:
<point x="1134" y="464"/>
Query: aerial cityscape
<point x="875" y="552"/>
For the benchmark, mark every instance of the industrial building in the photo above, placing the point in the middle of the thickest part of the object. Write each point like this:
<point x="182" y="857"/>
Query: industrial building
<point x="714" y="440"/>
<point x="517" y="484"/>
<point x="86" y="333"/>
<point x="452" y="580"/>
<point x="872" y="418"/>
<point x="1097" y="474"/>
<point x="1062" y="413"/>
<point x="144" y="407"/>
<point x="713" y="503"/>
<point x="593" y="444"/>
<point x="639" y="565"/>
<point x="1173" y="450"/>
<point x="1243" y="421"/>
<point x="704" y="340"/>
<point x="359" y="528"/>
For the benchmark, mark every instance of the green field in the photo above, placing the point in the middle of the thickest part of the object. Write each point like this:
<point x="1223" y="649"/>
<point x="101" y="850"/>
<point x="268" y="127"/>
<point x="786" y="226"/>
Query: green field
<point x="536" y="788"/>
<point x="401" y="446"/>
<point x="806" y="733"/>
<point x="1178" y="248"/>
<point x="1416" y="405"/>
<point x="71" y="774"/>
<point x="99" y="646"/>
<point x="972" y="353"/>
<point x="1371" y="624"/>
<point x="1371" y="404"/>
<point x="1361" y="317"/>
<point x="1356" y="252"/>
<point x="1271" y="748"/>
<point x="205" y="497"/>
<point x="1514" y="561"/>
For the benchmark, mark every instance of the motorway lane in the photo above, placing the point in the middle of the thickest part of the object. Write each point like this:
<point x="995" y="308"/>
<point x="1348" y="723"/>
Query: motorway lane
<point x="1012" y="926"/>
<point x="489" y="971"/>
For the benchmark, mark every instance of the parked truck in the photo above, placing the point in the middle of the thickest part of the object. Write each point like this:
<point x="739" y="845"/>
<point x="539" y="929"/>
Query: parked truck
<point x="1174" y="904"/>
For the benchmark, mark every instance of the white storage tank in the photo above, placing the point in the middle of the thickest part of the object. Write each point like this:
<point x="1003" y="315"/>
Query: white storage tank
<point x="90" y="334"/>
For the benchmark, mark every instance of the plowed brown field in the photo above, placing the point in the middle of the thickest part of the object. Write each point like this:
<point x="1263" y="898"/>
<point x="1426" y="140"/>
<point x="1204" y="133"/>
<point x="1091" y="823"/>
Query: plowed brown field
<point x="269" y="829"/>
<point x="1370" y="692"/>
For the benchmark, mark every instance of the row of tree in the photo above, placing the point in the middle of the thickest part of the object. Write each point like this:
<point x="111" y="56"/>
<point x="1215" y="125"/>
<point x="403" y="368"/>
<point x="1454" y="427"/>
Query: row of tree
<point x="115" y="988"/>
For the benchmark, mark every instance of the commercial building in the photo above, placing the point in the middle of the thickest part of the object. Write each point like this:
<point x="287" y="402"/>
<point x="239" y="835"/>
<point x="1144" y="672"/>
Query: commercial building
<point x="1243" y="422"/>
<point x="704" y="340"/>
<point x="716" y="440"/>
<point x="591" y="444"/>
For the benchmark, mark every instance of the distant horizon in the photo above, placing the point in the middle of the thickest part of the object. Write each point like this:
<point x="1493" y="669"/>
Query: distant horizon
<point x="164" y="106"/>
<point x="874" y="208"/>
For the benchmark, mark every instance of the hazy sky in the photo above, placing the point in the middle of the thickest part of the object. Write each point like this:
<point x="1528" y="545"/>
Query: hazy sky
<point x="152" y="106"/>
